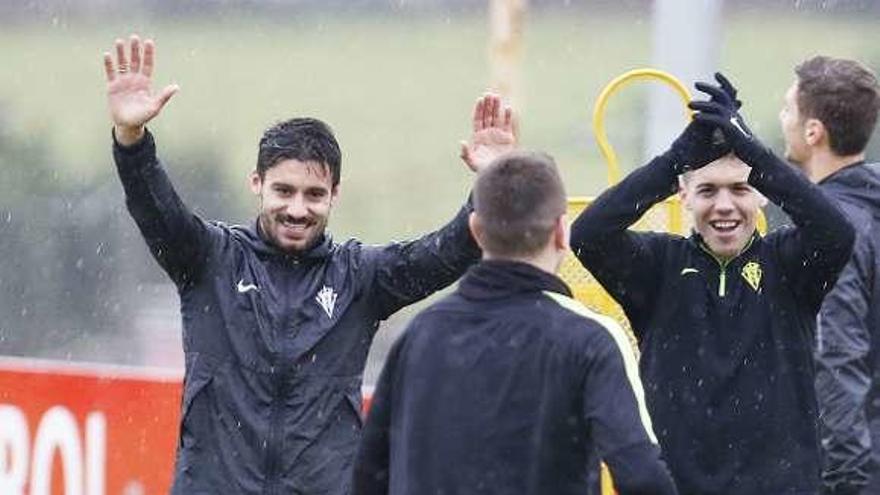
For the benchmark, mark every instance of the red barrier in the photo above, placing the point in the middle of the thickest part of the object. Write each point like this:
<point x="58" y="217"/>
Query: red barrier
<point x="87" y="429"/>
<point x="74" y="429"/>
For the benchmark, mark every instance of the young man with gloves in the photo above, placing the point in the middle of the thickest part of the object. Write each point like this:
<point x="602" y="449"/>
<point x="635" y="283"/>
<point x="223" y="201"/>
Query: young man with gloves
<point x="827" y="119"/>
<point x="724" y="318"/>
<point x="277" y="317"/>
<point x="509" y="385"/>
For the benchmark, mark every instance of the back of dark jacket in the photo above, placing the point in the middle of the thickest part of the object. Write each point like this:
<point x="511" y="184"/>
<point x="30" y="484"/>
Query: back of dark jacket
<point x="848" y="371"/>
<point x="508" y="386"/>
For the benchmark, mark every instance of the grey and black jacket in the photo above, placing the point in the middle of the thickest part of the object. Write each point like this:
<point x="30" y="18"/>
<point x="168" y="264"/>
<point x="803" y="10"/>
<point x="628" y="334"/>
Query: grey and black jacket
<point x="727" y="346"/>
<point x="848" y="372"/>
<point x="275" y="345"/>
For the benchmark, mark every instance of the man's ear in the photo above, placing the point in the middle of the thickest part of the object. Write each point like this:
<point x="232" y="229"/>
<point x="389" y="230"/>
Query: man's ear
<point x="814" y="132"/>
<point x="561" y="233"/>
<point x="334" y="194"/>
<point x="255" y="182"/>
<point x="683" y="195"/>
<point x="476" y="229"/>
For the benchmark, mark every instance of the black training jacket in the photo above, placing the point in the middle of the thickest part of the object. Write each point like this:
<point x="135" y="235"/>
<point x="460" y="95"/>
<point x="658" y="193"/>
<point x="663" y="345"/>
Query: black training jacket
<point x="848" y="372"/>
<point x="508" y="386"/>
<point x="727" y="348"/>
<point x="275" y="345"/>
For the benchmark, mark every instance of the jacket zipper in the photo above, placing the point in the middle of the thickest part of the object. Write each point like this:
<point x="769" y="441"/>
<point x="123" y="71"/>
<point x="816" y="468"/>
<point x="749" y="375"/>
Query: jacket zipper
<point x="722" y="264"/>
<point x="273" y="442"/>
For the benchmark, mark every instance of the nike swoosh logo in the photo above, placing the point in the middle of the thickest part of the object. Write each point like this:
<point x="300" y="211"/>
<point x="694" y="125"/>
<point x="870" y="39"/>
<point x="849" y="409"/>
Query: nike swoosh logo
<point x="735" y="122"/>
<point x="242" y="288"/>
<point x="685" y="271"/>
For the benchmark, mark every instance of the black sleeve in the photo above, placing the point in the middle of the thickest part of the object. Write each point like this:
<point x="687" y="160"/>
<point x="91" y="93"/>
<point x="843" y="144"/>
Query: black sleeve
<point x="843" y="375"/>
<point x="175" y="236"/>
<point x="372" y="464"/>
<point x="405" y="272"/>
<point x="638" y="470"/>
<point x="626" y="263"/>
<point x="615" y="410"/>
<point x="813" y="253"/>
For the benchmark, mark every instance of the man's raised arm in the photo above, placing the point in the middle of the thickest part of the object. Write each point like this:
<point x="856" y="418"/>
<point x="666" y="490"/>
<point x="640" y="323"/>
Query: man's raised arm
<point x="408" y="271"/>
<point x="173" y="233"/>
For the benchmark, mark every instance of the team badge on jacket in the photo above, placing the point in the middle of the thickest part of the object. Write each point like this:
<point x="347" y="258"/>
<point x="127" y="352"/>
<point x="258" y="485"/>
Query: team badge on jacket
<point x="752" y="273"/>
<point x="327" y="299"/>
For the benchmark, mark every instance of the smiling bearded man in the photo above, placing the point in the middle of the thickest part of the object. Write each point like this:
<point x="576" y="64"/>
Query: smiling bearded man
<point x="277" y="317"/>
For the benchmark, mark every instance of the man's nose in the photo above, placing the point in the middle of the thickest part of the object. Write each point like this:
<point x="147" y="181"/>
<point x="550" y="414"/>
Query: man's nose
<point x="724" y="201"/>
<point x="296" y="206"/>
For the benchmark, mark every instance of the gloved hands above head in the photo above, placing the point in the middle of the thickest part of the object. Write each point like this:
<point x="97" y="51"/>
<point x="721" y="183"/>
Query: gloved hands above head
<point x="703" y="142"/>
<point x="695" y="147"/>
<point x="721" y="111"/>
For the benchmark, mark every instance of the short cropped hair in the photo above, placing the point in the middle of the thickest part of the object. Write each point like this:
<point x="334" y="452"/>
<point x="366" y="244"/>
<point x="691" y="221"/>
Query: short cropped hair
<point x="843" y="95"/>
<point x="517" y="200"/>
<point x="302" y="139"/>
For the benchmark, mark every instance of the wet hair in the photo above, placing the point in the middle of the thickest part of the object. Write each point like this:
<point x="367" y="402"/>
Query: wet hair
<point x="302" y="139"/>
<point x="844" y="96"/>
<point x="517" y="200"/>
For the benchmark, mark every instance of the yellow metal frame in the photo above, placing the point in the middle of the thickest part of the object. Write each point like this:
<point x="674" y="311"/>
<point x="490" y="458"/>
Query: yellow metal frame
<point x="602" y="101"/>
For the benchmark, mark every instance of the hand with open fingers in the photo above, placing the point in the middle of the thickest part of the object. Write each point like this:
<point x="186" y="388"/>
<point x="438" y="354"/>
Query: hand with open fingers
<point x="722" y="114"/>
<point x="130" y="95"/>
<point x="703" y="142"/>
<point x="725" y="117"/>
<point x="722" y="102"/>
<point x="724" y="85"/>
<point x="495" y="132"/>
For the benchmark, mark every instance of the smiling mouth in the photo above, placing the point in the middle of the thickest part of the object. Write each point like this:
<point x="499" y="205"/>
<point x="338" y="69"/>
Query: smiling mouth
<point x="295" y="225"/>
<point x="724" y="226"/>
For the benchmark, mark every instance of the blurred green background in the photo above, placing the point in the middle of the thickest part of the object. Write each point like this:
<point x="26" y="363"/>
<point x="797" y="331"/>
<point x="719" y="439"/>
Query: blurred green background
<point x="396" y="80"/>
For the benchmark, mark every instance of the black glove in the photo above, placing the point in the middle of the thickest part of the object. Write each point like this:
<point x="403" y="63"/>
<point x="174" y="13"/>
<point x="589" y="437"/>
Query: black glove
<point x="721" y="112"/>
<point x="725" y="85"/>
<point x="696" y="147"/>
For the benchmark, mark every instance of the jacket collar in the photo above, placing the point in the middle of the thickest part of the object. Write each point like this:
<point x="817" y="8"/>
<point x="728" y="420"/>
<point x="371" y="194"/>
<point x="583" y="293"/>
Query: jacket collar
<point x="494" y="279"/>
<point x="843" y="173"/>
<point x="858" y="184"/>
<point x="697" y="240"/>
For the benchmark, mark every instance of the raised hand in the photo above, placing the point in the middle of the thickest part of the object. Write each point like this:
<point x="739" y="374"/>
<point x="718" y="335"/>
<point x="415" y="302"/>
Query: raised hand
<point x="494" y="132"/>
<point x="696" y="147"/>
<point x="724" y="85"/>
<point x="721" y="112"/>
<point x="130" y="95"/>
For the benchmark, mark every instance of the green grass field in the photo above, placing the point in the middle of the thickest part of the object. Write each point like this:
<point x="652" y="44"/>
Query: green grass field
<point x="398" y="90"/>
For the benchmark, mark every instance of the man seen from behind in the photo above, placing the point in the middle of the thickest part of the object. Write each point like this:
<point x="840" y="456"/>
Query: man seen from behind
<point x="509" y="385"/>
